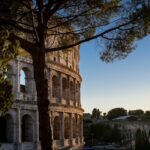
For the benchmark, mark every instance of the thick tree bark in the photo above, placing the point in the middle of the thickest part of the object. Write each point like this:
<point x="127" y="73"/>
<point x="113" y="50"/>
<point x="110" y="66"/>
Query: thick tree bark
<point x="40" y="75"/>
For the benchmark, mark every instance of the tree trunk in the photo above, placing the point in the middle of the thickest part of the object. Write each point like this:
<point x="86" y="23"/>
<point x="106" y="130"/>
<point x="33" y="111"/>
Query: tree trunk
<point x="41" y="80"/>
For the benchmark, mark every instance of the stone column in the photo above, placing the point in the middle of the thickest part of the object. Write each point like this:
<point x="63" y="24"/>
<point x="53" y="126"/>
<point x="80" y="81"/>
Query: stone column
<point x="74" y="92"/>
<point x="17" y="84"/>
<point x="19" y="146"/>
<point x="77" y="128"/>
<point x="68" y="90"/>
<point x="37" y="142"/>
<point x="75" y="99"/>
<point x="34" y="90"/>
<point x="51" y="114"/>
<point x="32" y="87"/>
<point x="28" y="85"/>
<point x="60" y="88"/>
<point x="82" y="129"/>
<point x="14" y="82"/>
<point x="49" y="76"/>
<point x="62" y="127"/>
<point x="70" y="128"/>
<point x="79" y="95"/>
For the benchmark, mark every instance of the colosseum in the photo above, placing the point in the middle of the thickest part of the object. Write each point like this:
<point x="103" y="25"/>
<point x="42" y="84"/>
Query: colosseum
<point x="19" y="128"/>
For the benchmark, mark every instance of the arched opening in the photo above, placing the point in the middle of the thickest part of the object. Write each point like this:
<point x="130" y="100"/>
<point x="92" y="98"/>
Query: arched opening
<point x="72" y="90"/>
<point x="65" y="87"/>
<point x="66" y="128"/>
<point x="2" y="129"/>
<point x="22" y="81"/>
<point x="78" y="92"/>
<point x="27" y="128"/>
<point x="6" y="129"/>
<point x="9" y="128"/>
<point x="54" y="59"/>
<point x="25" y="81"/>
<point x="56" y="128"/>
<point x="55" y="87"/>
<point x="74" y="127"/>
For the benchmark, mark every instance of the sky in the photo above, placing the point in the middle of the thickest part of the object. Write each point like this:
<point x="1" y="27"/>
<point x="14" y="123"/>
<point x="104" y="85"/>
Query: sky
<point x="124" y="83"/>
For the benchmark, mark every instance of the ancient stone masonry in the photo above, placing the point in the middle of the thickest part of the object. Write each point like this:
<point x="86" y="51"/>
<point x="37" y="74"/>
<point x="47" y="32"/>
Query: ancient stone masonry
<point x="19" y="129"/>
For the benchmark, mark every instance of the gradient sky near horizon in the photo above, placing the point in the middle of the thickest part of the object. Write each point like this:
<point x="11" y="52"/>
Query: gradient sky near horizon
<point x="124" y="83"/>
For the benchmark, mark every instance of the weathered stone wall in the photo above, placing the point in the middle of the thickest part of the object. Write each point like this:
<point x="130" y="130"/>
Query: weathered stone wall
<point x="64" y="85"/>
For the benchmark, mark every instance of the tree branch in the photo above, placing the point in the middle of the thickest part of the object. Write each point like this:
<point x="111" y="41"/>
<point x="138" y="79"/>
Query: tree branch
<point x="33" y="23"/>
<point x="70" y="18"/>
<point x="111" y="39"/>
<point x="50" y="13"/>
<point x="28" y="46"/>
<point x="91" y="38"/>
<point x="15" y="25"/>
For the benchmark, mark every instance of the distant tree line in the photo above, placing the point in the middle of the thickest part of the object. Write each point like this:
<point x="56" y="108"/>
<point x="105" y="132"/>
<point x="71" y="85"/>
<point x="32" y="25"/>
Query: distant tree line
<point x="118" y="112"/>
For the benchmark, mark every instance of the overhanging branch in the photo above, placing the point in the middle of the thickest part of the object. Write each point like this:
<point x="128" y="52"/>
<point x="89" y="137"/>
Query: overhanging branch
<point x="91" y="38"/>
<point x="14" y="24"/>
<point x="26" y="45"/>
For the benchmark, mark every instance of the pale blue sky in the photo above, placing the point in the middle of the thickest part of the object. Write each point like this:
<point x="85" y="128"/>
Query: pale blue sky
<point x="124" y="83"/>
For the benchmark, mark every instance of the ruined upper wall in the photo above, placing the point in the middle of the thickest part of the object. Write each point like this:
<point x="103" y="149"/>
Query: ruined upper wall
<point x="67" y="58"/>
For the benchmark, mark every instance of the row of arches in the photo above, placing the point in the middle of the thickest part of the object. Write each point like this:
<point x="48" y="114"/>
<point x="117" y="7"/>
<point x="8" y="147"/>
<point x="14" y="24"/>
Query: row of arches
<point x="70" y="89"/>
<point x="71" y="127"/>
<point x="7" y="129"/>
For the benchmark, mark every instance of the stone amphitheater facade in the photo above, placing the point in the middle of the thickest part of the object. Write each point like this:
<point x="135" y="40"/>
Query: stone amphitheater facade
<point x="19" y="129"/>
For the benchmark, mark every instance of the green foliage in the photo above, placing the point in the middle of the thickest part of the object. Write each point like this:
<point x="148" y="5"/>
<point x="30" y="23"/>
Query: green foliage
<point x="8" y="51"/>
<point x="116" y="134"/>
<point x="96" y="113"/>
<point x="141" y="140"/>
<point x="104" y="115"/>
<point x="138" y="112"/>
<point x="146" y="116"/>
<point x="81" y="19"/>
<point x="102" y="133"/>
<point x="116" y="112"/>
<point x="118" y="23"/>
<point x="120" y="42"/>
<point x="6" y="96"/>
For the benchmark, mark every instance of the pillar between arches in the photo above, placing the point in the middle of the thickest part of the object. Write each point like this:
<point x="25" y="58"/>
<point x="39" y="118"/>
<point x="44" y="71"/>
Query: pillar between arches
<point x="19" y="146"/>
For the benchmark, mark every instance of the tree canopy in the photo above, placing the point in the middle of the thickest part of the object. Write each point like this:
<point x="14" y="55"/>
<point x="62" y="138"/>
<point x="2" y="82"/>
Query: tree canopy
<point x="119" y="23"/>
<point x="138" y="112"/>
<point x="116" y="112"/>
<point x="8" y="51"/>
<point x="96" y="113"/>
<point x="43" y="26"/>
